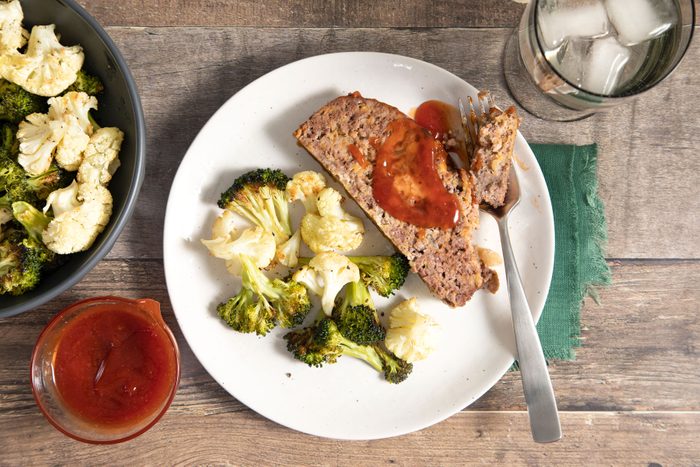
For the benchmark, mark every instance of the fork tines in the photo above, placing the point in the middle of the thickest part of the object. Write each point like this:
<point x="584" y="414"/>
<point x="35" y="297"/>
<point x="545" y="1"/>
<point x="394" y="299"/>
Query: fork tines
<point x="473" y="120"/>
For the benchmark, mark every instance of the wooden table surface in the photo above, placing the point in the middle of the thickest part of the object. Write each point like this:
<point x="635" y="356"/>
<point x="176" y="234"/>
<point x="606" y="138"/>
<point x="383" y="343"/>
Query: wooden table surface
<point x="631" y="397"/>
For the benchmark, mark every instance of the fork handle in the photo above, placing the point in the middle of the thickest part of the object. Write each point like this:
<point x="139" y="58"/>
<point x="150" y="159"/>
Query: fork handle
<point x="537" y="386"/>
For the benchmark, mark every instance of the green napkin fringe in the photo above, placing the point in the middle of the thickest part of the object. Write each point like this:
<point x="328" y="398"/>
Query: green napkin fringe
<point x="597" y="273"/>
<point x="591" y="237"/>
<point x="580" y="240"/>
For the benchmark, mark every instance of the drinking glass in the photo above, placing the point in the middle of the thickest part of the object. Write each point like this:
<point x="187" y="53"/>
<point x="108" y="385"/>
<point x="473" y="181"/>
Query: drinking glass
<point x="572" y="58"/>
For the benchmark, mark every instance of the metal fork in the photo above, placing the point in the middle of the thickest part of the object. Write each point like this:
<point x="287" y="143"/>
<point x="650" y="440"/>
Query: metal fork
<point x="537" y="386"/>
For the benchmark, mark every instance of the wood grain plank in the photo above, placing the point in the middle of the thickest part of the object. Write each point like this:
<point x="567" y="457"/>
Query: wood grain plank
<point x="639" y="350"/>
<point x="647" y="149"/>
<point x="245" y="438"/>
<point x="307" y="13"/>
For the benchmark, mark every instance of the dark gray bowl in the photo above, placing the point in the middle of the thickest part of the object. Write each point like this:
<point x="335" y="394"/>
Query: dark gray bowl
<point x="120" y="106"/>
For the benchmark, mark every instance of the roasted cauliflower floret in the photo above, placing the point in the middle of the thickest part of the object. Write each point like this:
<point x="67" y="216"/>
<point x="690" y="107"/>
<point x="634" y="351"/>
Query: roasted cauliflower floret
<point x="101" y="156"/>
<point x="47" y="68"/>
<point x="305" y="187"/>
<point x="12" y="34"/>
<point x="63" y="200"/>
<point x="224" y="225"/>
<point x="288" y="252"/>
<point x="63" y="133"/>
<point x="69" y="152"/>
<point x="412" y="335"/>
<point x="77" y="229"/>
<point x="332" y="229"/>
<point x="38" y="138"/>
<point x="329" y="234"/>
<point x="325" y="275"/>
<point x="256" y="243"/>
<point x="72" y="109"/>
<point x="76" y="104"/>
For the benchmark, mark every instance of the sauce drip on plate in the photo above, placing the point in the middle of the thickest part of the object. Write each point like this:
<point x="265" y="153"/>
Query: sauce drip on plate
<point x="406" y="182"/>
<point x="114" y="367"/>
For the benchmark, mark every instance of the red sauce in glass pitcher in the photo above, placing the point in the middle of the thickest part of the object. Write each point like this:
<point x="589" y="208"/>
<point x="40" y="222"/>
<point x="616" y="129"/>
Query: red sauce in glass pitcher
<point x="115" y="364"/>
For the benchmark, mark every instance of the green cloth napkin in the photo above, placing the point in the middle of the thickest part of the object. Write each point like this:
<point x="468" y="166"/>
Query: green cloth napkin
<point x="580" y="235"/>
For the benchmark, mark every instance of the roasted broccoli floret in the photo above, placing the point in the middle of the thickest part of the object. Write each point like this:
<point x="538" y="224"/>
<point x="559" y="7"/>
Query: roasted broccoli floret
<point x="11" y="173"/>
<point x="86" y="83"/>
<point x="33" y="220"/>
<point x="259" y="196"/>
<point x="16" y="103"/>
<point x="323" y="343"/>
<point x="395" y="369"/>
<point x="9" y="146"/>
<point x="51" y="180"/>
<point x="244" y="314"/>
<point x="384" y="274"/>
<point x="16" y="182"/>
<point x="263" y="302"/>
<point x="22" y="261"/>
<point x="20" y="187"/>
<point x="356" y="316"/>
<point x="289" y="298"/>
<point x="19" y="269"/>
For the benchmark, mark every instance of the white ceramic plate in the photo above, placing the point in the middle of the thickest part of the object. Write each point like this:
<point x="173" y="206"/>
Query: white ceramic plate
<point x="348" y="400"/>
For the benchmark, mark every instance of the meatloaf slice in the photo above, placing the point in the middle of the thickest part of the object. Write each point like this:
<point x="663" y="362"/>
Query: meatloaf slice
<point x="444" y="258"/>
<point x="492" y="156"/>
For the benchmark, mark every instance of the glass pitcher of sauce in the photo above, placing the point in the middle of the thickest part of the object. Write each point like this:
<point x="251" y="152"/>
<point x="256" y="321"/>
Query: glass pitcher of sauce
<point x="105" y="369"/>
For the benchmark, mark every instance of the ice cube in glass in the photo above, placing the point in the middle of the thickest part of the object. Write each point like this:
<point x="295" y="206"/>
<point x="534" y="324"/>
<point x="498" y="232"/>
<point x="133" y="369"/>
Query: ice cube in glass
<point x="570" y="60"/>
<point x="558" y="20"/>
<point x="640" y="20"/>
<point x="603" y="65"/>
